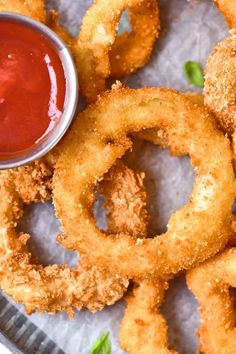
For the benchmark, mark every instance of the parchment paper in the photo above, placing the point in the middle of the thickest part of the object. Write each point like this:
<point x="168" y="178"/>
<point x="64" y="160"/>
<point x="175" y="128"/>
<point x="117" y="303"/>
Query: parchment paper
<point x="189" y="30"/>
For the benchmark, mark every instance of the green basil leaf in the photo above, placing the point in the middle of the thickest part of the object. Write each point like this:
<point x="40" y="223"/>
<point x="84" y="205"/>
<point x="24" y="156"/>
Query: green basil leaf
<point x="194" y="73"/>
<point x="102" y="345"/>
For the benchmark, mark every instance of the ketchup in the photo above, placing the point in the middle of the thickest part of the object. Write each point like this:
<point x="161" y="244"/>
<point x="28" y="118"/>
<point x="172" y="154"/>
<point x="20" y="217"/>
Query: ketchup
<point x="32" y="87"/>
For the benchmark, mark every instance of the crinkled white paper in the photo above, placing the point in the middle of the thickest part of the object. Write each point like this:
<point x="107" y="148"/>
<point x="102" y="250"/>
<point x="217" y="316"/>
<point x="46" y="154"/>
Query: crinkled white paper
<point x="189" y="31"/>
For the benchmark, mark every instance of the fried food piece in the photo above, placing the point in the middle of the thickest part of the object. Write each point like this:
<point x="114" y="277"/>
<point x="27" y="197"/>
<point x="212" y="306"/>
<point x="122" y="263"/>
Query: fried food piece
<point x="51" y="288"/>
<point x="228" y="10"/>
<point x="132" y="50"/>
<point x="33" y="182"/>
<point x="125" y="200"/>
<point x="58" y="288"/>
<point x="219" y="89"/>
<point x="143" y="328"/>
<point x="123" y="189"/>
<point x="160" y="137"/>
<point x="99" y="33"/>
<point x="195" y="232"/>
<point x="31" y="8"/>
<point x="212" y="284"/>
<point x="99" y="52"/>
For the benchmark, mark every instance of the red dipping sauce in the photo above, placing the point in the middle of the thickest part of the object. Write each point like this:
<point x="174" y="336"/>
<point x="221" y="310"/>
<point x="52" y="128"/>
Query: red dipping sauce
<point x="32" y="88"/>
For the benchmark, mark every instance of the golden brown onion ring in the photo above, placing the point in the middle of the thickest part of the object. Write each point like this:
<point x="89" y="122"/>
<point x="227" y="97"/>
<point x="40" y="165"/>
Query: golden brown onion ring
<point x="155" y="137"/>
<point x="220" y="83"/>
<point x="212" y="284"/>
<point x="50" y="288"/>
<point x="143" y="329"/>
<point x="57" y="288"/>
<point x="125" y="196"/>
<point x="195" y="232"/>
<point x="98" y="34"/>
<point x="89" y="286"/>
<point x="132" y="50"/>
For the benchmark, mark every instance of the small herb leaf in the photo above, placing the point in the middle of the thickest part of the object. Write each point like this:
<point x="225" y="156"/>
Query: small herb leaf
<point x="194" y="73"/>
<point x="102" y="345"/>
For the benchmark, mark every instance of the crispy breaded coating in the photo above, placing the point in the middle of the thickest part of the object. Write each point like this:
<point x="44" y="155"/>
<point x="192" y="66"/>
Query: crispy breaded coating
<point x="132" y="50"/>
<point x="51" y="288"/>
<point x="57" y="288"/>
<point x="213" y="283"/>
<point x="125" y="200"/>
<point x="219" y="89"/>
<point x="98" y="34"/>
<point x="33" y="182"/>
<point x="160" y="137"/>
<point x="143" y="328"/>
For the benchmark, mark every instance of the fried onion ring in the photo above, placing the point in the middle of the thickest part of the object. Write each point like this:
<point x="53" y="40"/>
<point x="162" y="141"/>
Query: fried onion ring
<point x="98" y="54"/>
<point x="132" y="50"/>
<point x="220" y="82"/>
<point x="122" y="188"/>
<point x="212" y="284"/>
<point x="89" y="286"/>
<point x="143" y="326"/>
<point x="195" y="232"/>
<point x="51" y="288"/>
<point x="31" y="8"/>
<point x="98" y="34"/>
